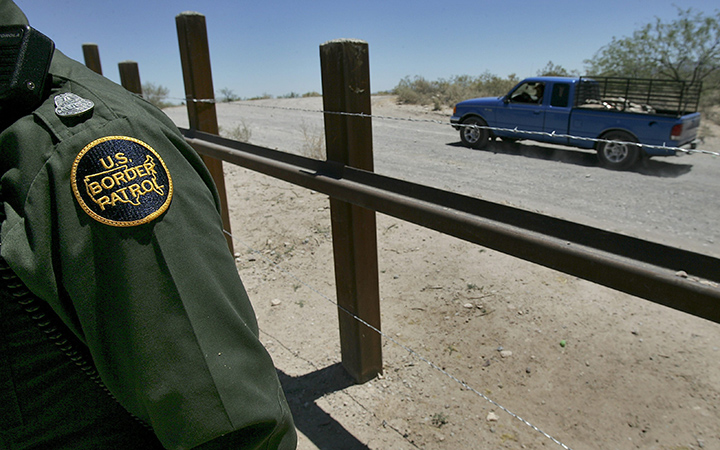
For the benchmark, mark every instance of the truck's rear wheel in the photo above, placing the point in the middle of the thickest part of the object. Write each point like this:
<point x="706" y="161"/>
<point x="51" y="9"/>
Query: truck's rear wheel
<point x="619" y="154"/>
<point x="474" y="136"/>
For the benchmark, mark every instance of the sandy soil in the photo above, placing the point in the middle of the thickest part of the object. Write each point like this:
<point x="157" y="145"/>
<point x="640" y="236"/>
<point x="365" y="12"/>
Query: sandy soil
<point x="550" y="360"/>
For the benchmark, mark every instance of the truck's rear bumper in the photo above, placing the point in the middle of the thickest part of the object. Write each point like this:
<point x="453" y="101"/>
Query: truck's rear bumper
<point x="691" y="145"/>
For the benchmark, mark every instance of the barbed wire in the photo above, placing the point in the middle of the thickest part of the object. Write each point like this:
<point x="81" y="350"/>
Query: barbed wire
<point x="408" y="349"/>
<point x="515" y="130"/>
<point x="315" y="366"/>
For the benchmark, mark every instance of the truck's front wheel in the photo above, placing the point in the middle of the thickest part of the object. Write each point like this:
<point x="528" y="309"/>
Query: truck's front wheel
<point x="619" y="153"/>
<point x="473" y="134"/>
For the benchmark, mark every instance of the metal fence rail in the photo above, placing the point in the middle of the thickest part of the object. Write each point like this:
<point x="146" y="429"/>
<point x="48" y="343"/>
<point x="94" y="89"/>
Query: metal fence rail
<point x="645" y="269"/>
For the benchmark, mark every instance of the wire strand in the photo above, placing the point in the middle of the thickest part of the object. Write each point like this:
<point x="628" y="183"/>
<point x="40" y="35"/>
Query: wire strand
<point x="399" y="344"/>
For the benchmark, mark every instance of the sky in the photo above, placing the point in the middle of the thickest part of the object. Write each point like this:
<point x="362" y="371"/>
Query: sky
<point x="271" y="47"/>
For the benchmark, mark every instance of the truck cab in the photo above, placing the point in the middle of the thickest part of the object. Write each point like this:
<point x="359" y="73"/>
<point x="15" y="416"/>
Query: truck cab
<point x="536" y="105"/>
<point x="540" y="104"/>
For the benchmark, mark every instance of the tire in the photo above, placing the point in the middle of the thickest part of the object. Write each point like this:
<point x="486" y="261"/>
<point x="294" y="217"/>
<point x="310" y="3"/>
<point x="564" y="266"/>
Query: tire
<point x="474" y="137"/>
<point x="618" y="155"/>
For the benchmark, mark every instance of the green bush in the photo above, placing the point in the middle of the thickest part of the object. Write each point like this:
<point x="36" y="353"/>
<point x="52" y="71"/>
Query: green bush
<point x="442" y="92"/>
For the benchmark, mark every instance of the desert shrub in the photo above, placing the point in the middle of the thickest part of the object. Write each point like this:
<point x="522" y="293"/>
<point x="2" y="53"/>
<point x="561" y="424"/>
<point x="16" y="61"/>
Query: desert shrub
<point x="264" y="96"/>
<point x="416" y="91"/>
<point x="710" y="114"/>
<point x="156" y="94"/>
<point x="240" y="132"/>
<point x="296" y="95"/>
<point x="447" y="92"/>
<point x="313" y="141"/>
<point x="228" y="95"/>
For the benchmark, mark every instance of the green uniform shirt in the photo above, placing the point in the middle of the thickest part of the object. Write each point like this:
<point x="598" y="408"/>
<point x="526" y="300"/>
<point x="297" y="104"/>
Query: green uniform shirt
<point x="113" y="220"/>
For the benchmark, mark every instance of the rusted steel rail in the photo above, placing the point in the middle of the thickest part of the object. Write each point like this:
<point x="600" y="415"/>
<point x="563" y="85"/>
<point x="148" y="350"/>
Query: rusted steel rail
<point x="645" y="269"/>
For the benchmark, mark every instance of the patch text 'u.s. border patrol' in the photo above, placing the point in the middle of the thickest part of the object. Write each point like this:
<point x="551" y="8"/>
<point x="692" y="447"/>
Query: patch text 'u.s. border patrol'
<point x="121" y="181"/>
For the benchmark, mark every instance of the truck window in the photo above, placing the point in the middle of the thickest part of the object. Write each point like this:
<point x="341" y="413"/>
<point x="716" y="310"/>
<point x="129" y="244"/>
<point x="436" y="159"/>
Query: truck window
<point x="560" y="95"/>
<point x="530" y="92"/>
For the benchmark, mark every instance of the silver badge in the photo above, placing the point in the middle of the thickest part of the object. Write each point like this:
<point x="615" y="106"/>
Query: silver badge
<point x="71" y="105"/>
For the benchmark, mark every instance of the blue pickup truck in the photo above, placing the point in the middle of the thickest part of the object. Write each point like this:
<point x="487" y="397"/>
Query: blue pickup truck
<point x="609" y="114"/>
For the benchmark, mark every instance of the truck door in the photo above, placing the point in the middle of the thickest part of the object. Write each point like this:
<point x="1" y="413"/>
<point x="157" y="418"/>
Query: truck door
<point x="557" y="115"/>
<point x="522" y="109"/>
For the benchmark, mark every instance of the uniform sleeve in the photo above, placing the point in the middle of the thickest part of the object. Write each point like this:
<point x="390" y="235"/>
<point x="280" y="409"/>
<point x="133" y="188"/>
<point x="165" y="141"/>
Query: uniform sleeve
<point x="159" y="302"/>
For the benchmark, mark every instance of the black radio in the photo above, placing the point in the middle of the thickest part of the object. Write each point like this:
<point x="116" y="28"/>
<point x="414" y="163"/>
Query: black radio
<point x="25" y="56"/>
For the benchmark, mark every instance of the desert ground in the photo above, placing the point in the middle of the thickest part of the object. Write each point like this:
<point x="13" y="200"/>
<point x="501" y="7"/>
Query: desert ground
<point x="481" y="350"/>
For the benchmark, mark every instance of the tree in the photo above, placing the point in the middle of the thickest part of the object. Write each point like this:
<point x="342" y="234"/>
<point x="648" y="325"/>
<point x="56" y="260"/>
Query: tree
<point x="228" y="95"/>
<point x="686" y="49"/>
<point x="554" y="70"/>
<point x="156" y="94"/>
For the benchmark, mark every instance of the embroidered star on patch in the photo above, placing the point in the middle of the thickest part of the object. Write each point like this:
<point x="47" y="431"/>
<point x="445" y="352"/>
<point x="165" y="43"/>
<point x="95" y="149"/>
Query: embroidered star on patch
<point x="121" y="181"/>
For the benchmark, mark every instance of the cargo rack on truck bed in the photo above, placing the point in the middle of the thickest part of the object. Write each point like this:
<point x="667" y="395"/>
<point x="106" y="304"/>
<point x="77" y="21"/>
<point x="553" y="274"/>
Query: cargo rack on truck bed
<point x="667" y="97"/>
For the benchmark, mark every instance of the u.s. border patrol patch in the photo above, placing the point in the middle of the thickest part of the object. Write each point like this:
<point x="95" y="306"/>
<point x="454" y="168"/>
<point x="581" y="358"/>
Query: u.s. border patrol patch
<point x="121" y="181"/>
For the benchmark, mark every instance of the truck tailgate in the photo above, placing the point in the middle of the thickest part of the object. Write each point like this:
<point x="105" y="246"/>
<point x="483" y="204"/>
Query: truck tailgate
<point x="686" y="130"/>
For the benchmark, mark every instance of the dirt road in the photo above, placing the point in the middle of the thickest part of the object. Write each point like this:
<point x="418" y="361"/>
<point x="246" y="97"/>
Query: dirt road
<point x="669" y="200"/>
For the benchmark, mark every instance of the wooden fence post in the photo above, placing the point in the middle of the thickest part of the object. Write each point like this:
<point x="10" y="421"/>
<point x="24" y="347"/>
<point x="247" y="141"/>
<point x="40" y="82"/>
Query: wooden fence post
<point x="130" y="76"/>
<point x="197" y="75"/>
<point x="346" y="88"/>
<point x="92" y="57"/>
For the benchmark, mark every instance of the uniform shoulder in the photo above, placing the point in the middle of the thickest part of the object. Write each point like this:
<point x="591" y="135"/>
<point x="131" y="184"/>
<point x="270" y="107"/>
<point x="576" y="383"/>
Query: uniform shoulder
<point x="110" y="100"/>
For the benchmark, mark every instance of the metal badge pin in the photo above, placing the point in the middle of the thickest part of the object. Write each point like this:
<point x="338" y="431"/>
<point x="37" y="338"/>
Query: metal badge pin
<point x="71" y="105"/>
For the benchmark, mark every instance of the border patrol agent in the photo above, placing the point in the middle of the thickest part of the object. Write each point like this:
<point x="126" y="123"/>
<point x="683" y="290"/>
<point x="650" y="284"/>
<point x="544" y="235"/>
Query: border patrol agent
<point x="123" y="321"/>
